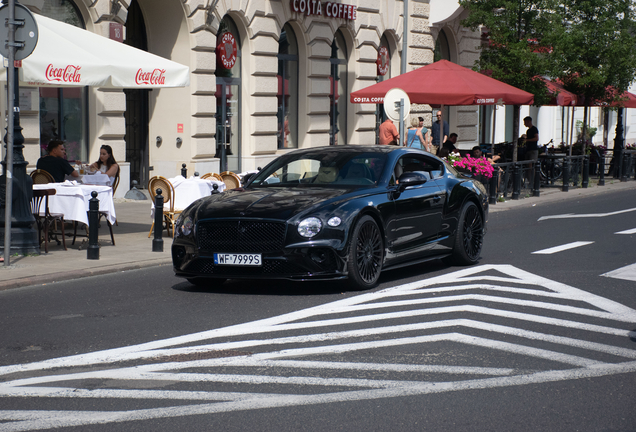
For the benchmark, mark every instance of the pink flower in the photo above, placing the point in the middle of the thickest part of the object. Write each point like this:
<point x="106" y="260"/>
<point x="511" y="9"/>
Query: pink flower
<point x="477" y="166"/>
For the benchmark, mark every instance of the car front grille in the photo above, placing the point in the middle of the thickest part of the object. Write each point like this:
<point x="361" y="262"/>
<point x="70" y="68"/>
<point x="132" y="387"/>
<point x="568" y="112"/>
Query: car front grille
<point x="240" y="236"/>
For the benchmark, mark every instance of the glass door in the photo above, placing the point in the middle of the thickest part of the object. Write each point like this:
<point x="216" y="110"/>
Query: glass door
<point x="228" y="124"/>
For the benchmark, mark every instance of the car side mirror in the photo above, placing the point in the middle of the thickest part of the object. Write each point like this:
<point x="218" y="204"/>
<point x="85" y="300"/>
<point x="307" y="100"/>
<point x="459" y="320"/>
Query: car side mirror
<point x="411" y="179"/>
<point x="247" y="177"/>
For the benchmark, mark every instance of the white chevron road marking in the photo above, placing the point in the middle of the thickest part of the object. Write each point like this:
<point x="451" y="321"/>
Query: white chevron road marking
<point x="625" y="273"/>
<point x="293" y="350"/>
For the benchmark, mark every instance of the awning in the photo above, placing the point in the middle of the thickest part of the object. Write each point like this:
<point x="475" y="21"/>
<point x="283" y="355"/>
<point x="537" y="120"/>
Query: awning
<point x="446" y="83"/>
<point x="66" y="55"/>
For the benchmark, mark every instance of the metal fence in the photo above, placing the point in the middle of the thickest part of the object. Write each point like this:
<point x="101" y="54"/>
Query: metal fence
<point x="514" y="180"/>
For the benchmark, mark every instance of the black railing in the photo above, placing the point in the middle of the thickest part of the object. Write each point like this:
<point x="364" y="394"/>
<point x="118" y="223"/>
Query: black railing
<point x="515" y="180"/>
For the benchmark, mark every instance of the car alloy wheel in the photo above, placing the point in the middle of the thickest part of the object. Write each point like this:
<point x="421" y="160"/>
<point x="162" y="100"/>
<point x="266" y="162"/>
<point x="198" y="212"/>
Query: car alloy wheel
<point x="365" y="254"/>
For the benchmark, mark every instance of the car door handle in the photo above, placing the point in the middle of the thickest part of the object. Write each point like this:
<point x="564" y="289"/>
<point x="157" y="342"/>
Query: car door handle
<point x="436" y="198"/>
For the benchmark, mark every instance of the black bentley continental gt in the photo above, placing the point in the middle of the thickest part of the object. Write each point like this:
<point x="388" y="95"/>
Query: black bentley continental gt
<point x="333" y="213"/>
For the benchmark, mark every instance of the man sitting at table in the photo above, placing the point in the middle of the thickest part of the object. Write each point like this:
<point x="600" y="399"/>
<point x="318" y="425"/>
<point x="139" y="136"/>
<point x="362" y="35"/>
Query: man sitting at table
<point x="55" y="162"/>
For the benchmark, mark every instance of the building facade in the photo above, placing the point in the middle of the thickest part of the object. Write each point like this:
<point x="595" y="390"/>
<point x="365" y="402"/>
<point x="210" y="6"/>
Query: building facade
<point x="266" y="77"/>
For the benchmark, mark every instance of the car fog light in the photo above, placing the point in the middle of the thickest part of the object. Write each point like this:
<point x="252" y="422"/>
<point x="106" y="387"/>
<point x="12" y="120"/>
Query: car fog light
<point x="334" y="221"/>
<point x="309" y="227"/>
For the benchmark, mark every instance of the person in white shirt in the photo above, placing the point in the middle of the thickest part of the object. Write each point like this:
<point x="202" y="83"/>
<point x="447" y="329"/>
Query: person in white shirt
<point x="106" y="163"/>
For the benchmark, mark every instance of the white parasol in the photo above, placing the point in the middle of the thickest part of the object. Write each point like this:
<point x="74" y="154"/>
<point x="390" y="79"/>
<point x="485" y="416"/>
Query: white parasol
<point x="66" y="55"/>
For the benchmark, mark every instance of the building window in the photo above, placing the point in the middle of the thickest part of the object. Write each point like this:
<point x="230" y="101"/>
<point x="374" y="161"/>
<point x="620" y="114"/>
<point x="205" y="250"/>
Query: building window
<point x="338" y="87"/>
<point x="287" y="89"/>
<point x="64" y="111"/>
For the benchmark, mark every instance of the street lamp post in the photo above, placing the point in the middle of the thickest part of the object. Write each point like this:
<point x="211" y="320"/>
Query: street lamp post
<point x="16" y="188"/>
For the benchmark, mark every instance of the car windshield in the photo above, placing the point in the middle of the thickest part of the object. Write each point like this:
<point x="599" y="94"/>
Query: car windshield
<point x="322" y="168"/>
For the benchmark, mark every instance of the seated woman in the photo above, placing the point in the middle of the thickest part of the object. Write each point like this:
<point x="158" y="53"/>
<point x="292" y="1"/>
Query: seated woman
<point x="106" y="163"/>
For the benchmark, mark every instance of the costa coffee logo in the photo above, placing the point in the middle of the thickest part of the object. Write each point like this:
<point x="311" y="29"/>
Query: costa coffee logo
<point x="226" y="51"/>
<point x="154" y="77"/>
<point x="383" y="60"/>
<point x="69" y="73"/>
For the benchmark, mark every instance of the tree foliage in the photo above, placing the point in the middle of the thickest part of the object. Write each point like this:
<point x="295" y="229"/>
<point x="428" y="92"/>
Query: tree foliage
<point x="595" y="48"/>
<point x="514" y="48"/>
<point x="590" y="45"/>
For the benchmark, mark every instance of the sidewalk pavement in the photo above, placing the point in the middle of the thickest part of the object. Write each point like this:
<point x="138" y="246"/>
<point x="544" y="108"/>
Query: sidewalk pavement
<point x="133" y="249"/>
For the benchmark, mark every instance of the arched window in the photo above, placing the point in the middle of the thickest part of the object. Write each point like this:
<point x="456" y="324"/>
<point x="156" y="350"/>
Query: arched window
<point x="287" y="89"/>
<point x="442" y="48"/>
<point x="228" y="96"/>
<point x="338" y="91"/>
<point x="64" y="111"/>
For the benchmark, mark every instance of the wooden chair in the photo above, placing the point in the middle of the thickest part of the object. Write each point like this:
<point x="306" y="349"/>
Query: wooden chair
<point x="40" y="176"/>
<point x="170" y="215"/>
<point x="45" y="218"/>
<point x="230" y="179"/>
<point x="214" y="176"/>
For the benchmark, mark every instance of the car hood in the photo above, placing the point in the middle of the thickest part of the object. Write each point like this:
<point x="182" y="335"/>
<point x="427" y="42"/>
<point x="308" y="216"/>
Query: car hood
<point x="268" y="203"/>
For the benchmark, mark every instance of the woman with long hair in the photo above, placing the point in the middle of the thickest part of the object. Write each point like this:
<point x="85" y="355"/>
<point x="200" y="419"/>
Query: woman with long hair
<point x="106" y="163"/>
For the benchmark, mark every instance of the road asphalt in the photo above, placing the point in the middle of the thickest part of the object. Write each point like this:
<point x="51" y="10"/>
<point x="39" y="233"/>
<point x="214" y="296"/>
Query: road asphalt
<point x="133" y="247"/>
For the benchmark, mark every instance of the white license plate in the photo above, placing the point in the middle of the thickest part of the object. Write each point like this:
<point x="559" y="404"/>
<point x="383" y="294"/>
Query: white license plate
<point x="238" y="259"/>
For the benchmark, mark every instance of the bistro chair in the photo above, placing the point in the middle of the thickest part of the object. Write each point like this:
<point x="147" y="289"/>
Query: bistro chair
<point x="170" y="215"/>
<point x="206" y="176"/>
<point x="40" y="176"/>
<point x="231" y="180"/>
<point x="44" y="218"/>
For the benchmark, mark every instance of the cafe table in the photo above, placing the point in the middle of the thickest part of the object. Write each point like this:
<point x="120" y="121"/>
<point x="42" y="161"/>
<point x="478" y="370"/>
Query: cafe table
<point x="72" y="200"/>
<point x="187" y="191"/>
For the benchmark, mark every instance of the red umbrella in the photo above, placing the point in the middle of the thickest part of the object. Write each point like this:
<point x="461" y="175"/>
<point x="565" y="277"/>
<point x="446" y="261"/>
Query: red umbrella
<point x="446" y="83"/>
<point x="563" y="97"/>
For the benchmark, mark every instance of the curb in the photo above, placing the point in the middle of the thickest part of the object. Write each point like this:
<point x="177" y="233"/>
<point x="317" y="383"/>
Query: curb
<point x="78" y="274"/>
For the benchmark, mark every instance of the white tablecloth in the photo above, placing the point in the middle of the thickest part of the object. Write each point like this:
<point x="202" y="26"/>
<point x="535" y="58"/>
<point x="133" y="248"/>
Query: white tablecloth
<point x="72" y="200"/>
<point x="187" y="191"/>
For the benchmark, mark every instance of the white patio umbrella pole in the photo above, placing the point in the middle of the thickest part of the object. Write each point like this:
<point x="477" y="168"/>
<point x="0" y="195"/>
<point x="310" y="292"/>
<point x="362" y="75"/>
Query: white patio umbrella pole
<point x="9" y="165"/>
<point x="494" y="123"/>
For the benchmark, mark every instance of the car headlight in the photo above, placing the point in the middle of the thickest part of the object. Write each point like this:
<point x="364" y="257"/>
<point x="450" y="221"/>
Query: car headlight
<point x="184" y="226"/>
<point x="309" y="227"/>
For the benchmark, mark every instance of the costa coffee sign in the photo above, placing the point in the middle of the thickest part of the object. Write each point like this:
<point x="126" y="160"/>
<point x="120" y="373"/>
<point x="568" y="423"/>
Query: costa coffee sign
<point x="328" y="9"/>
<point x="150" y="77"/>
<point x="66" y="74"/>
<point x="383" y="61"/>
<point x="226" y="51"/>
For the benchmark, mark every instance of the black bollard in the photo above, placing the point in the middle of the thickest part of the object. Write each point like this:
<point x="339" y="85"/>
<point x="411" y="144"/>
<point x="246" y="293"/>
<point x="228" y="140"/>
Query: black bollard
<point x="215" y="189"/>
<point x="157" y="242"/>
<point x="184" y="171"/>
<point x="601" y="173"/>
<point x="516" y="181"/>
<point x="492" y="195"/>
<point x="586" y="172"/>
<point x="537" y="179"/>
<point x="624" y="166"/>
<point x="92" y="252"/>
<point x="566" y="175"/>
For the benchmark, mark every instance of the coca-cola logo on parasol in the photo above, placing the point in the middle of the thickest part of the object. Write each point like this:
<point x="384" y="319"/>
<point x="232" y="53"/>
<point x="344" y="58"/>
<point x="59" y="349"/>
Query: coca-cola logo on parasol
<point x="67" y="74"/>
<point x="226" y="51"/>
<point x="383" y="60"/>
<point x="153" y="77"/>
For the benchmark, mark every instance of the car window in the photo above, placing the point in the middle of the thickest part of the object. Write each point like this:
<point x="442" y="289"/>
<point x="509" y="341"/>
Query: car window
<point x="339" y="168"/>
<point x="432" y="168"/>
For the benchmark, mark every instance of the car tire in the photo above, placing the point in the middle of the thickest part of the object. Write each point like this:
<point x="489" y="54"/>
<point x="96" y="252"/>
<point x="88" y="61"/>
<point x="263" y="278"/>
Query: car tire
<point x="206" y="282"/>
<point x="366" y="253"/>
<point x="469" y="236"/>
